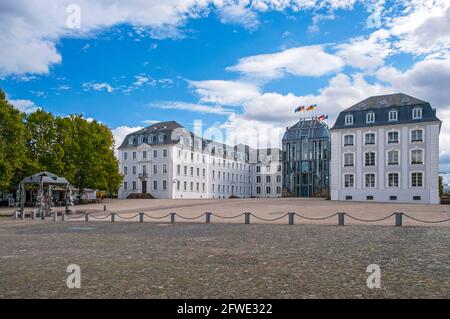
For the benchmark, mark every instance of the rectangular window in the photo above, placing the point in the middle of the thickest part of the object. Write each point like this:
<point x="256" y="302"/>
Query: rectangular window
<point x="370" y="159"/>
<point x="155" y="169"/>
<point x="393" y="115"/>
<point x="349" y="120"/>
<point x="370" y="118"/>
<point x="393" y="180"/>
<point x="417" y="179"/>
<point x="164" y="153"/>
<point x="134" y="155"/>
<point x="144" y="154"/>
<point x="155" y="185"/>
<point x="125" y="170"/>
<point x="258" y="169"/>
<point x="370" y="180"/>
<point x="192" y="171"/>
<point x="125" y="186"/>
<point x="369" y="197"/>
<point x="393" y="158"/>
<point x="417" y="113"/>
<point x="417" y="198"/>
<point x="348" y="140"/>
<point x="178" y="169"/>
<point x="348" y="160"/>
<point x="416" y="136"/>
<point x="164" y="169"/>
<point x="417" y="157"/>
<point x="185" y="170"/>
<point x="268" y="190"/>
<point x="349" y="181"/>
<point x="258" y="179"/>
<point x="370" y="139"/>
<point x="134" y="170"/>
<point x="164" y="185"/>
<point x="125" y="155"/>
<point x="258" y="190"/>
<point x="155" y="153"/>
<point x="393" y="137"/>
<point x="348" y="197"/>
<point x="392" y="197"/>
<point x="134" y="186"/>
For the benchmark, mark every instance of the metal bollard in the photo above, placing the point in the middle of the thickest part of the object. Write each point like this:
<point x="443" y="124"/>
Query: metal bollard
<point x="63" y="216"/>
<point x="104" y="208"/>
<point x="16" y="214"/>
<point x="172" y="217"/>
<point x="55" y="216"/>
<point x="141" y="217"/>
<point x="291" y="217"/>
<point x="208" y="218"/>
<point x="113" y="217"/>
<point x="398" y="219"/>
<point x="42" y="215"/>
<point x="86" y="217"/>
<point x="341" y="218"/>
<point x="33" y="214"/>
<point x="247" y="218"/>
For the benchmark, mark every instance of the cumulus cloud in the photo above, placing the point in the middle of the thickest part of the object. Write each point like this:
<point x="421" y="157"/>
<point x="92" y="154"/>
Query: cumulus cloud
<point x="121" y="132"/>
<point x="300" y="61"/>
<point x="26" y="106"/>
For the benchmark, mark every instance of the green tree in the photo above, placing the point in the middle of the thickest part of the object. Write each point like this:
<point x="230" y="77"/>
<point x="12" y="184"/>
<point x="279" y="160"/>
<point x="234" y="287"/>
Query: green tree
<point x="441" y="186"/>
<point x="12" y="144"/>
<point x="44" y="148"/>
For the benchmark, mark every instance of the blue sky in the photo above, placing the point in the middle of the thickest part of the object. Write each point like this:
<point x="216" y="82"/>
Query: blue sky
<point x="241" y="64"/>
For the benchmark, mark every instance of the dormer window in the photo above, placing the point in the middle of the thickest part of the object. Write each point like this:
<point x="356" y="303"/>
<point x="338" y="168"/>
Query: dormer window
<point x="131" y="140"/>
<point x="151" y="139"/>
<point x="349" y="119"/>
<point x="370" y="118"/>
<point x="141" y="139"/>
<point x="417" y="113"/>
<point x="162" y="138"/>
<point x="393" y="116"/>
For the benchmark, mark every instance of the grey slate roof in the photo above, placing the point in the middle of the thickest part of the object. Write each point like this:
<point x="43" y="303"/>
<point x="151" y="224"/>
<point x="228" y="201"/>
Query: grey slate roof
<point x="307" y="128"/>
<point x="156" y="129"/>
<point x="381" y="105"/>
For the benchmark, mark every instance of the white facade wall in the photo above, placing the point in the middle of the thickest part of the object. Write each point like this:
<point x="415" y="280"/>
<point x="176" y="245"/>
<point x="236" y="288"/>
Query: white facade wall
<point x="193" y="173"/>
<point x="405" y="192"/>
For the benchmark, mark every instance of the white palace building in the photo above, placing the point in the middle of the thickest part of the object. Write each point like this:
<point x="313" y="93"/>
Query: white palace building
<point x="165" y="160"/>
<point x="386" y="149"/>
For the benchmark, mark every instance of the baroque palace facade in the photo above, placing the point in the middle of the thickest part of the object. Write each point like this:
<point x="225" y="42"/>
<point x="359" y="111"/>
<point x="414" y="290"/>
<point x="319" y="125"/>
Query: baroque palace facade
<point x="167" y="161"/>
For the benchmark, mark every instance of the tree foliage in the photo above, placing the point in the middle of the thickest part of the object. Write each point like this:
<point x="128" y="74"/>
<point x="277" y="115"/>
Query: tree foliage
<point x="82" y="151"/>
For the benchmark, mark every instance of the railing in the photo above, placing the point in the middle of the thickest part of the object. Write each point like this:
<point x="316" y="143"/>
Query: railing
<point x="341" y="216"/>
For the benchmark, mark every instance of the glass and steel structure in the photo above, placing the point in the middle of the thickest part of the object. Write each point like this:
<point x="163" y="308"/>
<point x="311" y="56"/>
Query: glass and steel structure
<point x="306" y="159"/>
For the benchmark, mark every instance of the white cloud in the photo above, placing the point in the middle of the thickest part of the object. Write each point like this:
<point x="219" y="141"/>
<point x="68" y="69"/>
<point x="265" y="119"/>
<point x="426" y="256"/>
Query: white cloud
<point x="98" y="87"/>
<point x="225" y="92"/>
<point x="300" y="61"/>
<point x="26" y="106"/>
<point x="121" y="132"/>
<point x="191" y="107"/>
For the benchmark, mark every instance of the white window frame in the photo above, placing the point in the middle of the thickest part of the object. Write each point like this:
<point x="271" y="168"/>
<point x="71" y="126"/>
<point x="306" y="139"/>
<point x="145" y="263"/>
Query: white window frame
<point x="416" y="129"/>
<point x="393" y="131"/>
<point x="343" y="140"/>
<point x="375" y="182"/>
<point x="399" y="180"/>
<point x="419" y="114"/>
<point x="348" y="120"/>
<point x="387" y="157"/>
<point x="343" y="159"/>
<point x="365" y="138"/>
<point x="410" y="156"/>
<point x="369" y="119"/>
<point x="375" y="161"/>
<point x="411" y="179"/>
<point x="343" y="181"/>
<point x="394" y="118"/>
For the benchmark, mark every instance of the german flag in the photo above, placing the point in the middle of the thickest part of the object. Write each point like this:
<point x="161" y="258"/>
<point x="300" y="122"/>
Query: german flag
<point x="300" y="109"/>
<point x="311" y="107"/>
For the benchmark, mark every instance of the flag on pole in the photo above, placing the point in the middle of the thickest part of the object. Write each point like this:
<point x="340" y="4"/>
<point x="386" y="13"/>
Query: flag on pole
<point x="311" y="107"/>
<point x="323" y="117"/>
<point x="300" y="109"/>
